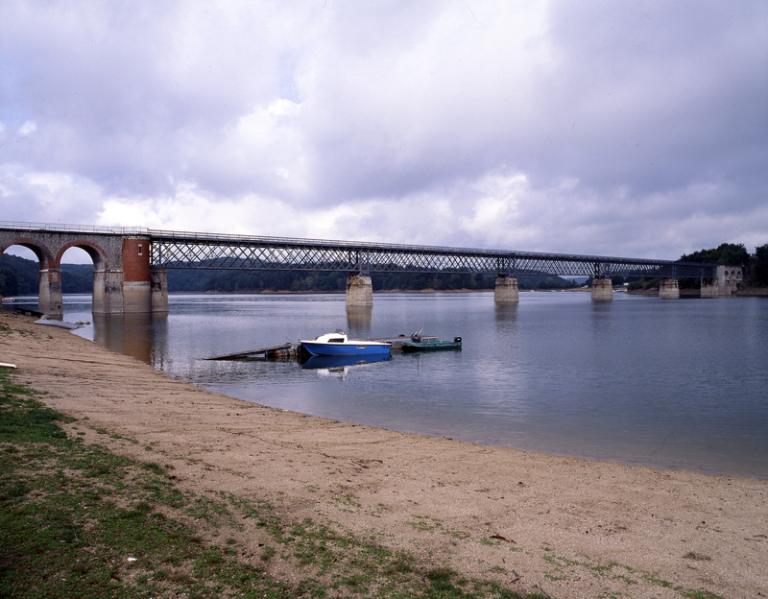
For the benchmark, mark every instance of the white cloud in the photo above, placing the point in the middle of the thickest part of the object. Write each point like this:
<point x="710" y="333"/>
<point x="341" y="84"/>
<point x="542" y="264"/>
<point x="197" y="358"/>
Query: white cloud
<point x="27" y="128"/>
<point x="47" y="196"/>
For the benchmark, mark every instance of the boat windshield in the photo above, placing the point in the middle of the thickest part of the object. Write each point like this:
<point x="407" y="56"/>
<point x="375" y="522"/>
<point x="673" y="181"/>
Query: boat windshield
<point x="336" y="340"/>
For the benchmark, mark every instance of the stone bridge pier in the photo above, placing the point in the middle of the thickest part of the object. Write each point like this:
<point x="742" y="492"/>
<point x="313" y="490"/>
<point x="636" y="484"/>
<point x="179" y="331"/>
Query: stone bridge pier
<point x="506" y="291"/>
<point x="602" y="289"/>
<point x="359" y="290"/>
<point x="669" y="289"/>
<point x="123" y="281"/>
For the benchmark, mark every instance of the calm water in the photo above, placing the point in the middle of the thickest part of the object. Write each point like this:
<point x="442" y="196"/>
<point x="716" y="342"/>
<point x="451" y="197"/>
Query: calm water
<point x="665" y="383"/>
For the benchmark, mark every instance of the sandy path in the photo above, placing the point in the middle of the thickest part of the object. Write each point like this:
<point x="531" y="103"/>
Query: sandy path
<point x="577" y="528"/>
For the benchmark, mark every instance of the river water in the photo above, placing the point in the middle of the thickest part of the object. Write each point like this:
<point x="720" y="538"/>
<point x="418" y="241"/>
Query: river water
<point x="681" y="384"/>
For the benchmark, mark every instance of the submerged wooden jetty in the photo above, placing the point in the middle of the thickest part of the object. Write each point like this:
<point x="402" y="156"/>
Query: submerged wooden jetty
<point x="277" y="353"/>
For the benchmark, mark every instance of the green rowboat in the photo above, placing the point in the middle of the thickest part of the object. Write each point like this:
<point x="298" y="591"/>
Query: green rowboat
<point x="420" y="343"/>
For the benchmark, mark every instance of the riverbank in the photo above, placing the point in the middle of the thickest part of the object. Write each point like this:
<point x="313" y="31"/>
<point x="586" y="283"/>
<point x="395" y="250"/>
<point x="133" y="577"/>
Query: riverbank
<point x="569" y="527"/>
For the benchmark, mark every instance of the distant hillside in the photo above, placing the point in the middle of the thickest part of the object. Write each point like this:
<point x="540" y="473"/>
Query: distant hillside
<point x="254" y="280"/>
<point x="18" y="276"/>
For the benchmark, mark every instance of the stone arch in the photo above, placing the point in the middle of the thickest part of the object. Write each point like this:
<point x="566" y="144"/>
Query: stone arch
<point x="49" y="280"/>
<point x="94" y="250"/>
<point x="101" y="264"/>
<point x="44" y="255"/>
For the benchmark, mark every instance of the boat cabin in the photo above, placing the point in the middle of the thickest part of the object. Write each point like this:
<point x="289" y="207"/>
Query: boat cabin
<point x="332" y="338"/>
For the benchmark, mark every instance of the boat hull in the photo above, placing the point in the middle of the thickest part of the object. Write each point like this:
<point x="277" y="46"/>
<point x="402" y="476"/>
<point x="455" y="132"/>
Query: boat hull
<point x="414" y="345"/>
<point x="346" y="349"/>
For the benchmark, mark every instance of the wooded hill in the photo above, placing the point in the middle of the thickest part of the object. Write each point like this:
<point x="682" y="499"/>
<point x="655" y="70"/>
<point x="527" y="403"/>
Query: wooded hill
<point x="18" y="276"/>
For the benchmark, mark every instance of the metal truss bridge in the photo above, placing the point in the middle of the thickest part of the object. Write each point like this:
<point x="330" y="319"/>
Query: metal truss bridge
<point x="177" y="250"/>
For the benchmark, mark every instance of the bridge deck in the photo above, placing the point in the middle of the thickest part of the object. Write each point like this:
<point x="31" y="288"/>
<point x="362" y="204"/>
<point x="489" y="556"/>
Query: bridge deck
<point x="171" y="249"/>
<point x="182" y="249"/>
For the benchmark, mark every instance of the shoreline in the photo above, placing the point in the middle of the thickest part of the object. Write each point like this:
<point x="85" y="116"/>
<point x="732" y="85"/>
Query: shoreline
<point x="578" y="528"/>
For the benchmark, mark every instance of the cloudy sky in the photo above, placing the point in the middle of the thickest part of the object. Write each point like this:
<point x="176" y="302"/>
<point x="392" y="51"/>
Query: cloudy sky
<point x="627" y="127"/>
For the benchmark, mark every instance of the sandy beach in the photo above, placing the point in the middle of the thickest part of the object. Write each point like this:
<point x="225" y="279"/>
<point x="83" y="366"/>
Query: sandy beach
<point x="565" y="526"/>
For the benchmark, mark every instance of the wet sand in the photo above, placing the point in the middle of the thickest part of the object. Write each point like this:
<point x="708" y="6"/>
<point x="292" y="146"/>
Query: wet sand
<point x="570" y="527"/>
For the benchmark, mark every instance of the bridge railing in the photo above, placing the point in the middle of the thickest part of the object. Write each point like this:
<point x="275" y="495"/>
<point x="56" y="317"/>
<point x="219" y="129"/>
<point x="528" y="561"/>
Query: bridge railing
<point x="57" y="228"/>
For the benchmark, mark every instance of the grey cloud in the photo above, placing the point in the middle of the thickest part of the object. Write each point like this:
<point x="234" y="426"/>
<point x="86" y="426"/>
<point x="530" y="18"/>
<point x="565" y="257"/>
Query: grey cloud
<point x="651" y="99"/>
<point x="658" y="110"/>
<point x="118" y="87"/>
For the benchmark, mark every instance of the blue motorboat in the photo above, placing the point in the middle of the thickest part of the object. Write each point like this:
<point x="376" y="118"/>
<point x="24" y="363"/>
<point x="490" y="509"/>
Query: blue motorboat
<point x="338" y="344"/>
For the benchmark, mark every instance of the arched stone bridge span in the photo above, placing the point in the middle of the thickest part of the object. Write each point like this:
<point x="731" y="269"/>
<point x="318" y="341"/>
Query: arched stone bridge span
<point x="123" y="277"/>
<point x="130" y="264"/>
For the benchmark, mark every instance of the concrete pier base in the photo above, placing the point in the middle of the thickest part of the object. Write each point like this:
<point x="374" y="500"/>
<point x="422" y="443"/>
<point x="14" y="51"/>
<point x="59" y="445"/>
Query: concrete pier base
<point x="506" y="290"/>
<point x="99" y="292"/>
<point x="359" y="290"/>
<point x="669" y="289"/>
<point x="602" y="290"/>
<point x="49" y="285"/>
<point x="108" y="292"/>
<point x="710" y="290"/>
<point x="159" y="283"/>
<point x="136" y="297"/>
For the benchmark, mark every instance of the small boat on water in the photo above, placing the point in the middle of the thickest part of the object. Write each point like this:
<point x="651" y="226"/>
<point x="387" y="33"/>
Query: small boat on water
<point x="338" y="344"/>
<point x="424" y="343"/>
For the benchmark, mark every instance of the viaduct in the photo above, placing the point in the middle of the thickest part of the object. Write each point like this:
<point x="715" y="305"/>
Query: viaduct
<point x="130" y="265"/>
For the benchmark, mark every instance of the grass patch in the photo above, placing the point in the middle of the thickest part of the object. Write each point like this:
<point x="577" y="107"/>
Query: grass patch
<point x="77" y="521"/>
<point x="620" y="572"/>
<point x="424" y="524"/>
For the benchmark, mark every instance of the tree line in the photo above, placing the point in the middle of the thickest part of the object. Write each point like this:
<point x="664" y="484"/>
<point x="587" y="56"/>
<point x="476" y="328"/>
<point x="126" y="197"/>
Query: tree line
<point x="726" y="254"/>
<point x="19" y="276"/>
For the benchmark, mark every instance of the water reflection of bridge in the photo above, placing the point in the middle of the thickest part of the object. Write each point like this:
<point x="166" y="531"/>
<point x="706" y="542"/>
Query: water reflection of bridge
<point x="130" y="265"/>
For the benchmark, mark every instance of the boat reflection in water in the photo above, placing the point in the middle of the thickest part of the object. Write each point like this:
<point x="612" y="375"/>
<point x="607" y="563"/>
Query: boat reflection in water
<point x="340" y="366"/>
